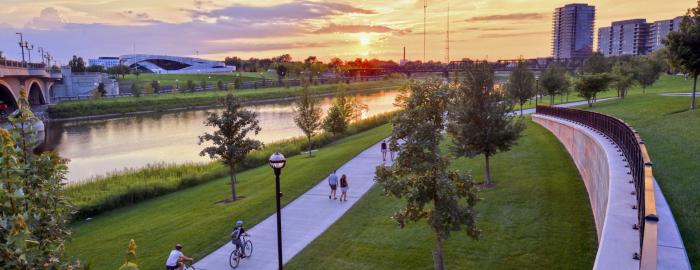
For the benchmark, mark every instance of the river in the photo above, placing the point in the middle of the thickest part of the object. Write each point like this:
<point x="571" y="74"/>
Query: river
<point x="98" y="147"/>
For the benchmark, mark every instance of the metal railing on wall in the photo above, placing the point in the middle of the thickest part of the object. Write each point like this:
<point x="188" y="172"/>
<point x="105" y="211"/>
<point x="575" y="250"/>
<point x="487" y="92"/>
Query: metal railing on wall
<point x="19" y="64"/>
<point x="632" y="147"/>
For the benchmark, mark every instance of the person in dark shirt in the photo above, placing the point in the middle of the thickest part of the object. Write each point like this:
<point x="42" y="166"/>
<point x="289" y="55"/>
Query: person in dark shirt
<point x="344" y="188"/>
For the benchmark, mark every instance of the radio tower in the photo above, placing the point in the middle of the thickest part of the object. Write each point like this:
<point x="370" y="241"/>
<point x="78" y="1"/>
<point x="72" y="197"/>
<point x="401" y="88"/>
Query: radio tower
<point x="447" y="43"/>
<point x="425" y="11"/>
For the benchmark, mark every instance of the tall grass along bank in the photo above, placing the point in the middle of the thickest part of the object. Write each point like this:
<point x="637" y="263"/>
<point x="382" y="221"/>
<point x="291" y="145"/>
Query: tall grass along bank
<point x="124" y="105"/>
<point x="131" y="186"/>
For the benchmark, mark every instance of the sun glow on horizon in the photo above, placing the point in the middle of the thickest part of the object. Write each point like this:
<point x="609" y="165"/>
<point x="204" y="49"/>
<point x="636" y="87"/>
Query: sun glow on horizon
<point x="364" y="39"/>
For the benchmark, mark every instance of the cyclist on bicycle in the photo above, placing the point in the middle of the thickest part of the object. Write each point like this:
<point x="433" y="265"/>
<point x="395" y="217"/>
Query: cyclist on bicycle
<point x="176" y="259"/>
<point x="236" y="235"/>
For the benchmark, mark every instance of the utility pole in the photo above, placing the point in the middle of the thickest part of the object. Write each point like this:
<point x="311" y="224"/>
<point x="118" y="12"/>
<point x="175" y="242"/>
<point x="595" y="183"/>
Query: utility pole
<point x="43" y="56"/>
<point x="425" y="12"/>
<point x="21" y="44"/>
<point x="29" y="48"/>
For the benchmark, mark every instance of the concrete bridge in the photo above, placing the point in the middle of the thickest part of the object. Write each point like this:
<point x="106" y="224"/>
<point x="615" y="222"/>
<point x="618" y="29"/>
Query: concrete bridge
<point x="37" y="79"/>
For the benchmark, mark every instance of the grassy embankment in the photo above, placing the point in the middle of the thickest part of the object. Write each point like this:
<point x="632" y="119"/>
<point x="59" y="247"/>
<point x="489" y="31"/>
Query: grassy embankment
<point x="194" y="217"/>
<point x="129" y="187"/>
<point x="670" y="132"/>
<point x="537" y="217"/>
<point x="210" y="78"/>
<point x="94" y="107"/>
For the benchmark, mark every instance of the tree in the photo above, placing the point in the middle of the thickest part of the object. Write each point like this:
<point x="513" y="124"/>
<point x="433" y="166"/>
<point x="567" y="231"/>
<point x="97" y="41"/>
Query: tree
<point x="135" y="89"/>
<point x="553" y="81"/>
<point x="101" y="89"/>
<point x="339" y="114"/>
<point x="481" y="120"/>
<point x="281" y="72"/>
<point x="33" y="206"/>
<point x="220" y="85"/>
<point x="95" y="68"/>
<point x="623" y="75"/>
<point x="421" y="176"/>
<point x="136" y="73"/>
<point x="229" y="139"/>
<point x="308" y="115"/>
<point x="596" y="64"/>
<point x="684" y="48"/>
<point x="118" y="70"/>
<point x="521" y="84"/>
<point x="589" y="85"/>
<point x="189" y="86"/>
<point x="77" y="64"/>
<point x="647" y="71"/>
<point x="156" y="86"/>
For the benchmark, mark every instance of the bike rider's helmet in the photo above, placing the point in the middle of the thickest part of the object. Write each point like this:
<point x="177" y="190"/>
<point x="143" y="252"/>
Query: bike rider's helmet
<point x="239" y="223"/>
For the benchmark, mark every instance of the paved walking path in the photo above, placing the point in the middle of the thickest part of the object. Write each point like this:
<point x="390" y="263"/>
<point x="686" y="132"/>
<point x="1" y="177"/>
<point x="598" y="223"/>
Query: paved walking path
<point x="304" y="219"/>
<point x="310" y="215"/>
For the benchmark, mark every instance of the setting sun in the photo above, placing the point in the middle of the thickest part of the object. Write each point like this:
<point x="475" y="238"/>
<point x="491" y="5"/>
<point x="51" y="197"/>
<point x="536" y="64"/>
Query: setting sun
<point x="364" y="40"/>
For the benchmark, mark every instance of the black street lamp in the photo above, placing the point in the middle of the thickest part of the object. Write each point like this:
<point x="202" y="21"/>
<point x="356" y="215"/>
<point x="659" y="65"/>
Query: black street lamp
<point x="277" y="162"/>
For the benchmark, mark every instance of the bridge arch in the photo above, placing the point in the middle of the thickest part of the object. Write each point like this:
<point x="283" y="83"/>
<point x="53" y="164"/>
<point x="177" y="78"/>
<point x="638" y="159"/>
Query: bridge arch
<point x="35" y="95"/>
<point x="8" y="101"/>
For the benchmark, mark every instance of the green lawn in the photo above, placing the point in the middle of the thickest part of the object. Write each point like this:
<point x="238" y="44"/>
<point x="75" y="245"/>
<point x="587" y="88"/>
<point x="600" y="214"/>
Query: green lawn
<point x="537" y="217"/>
<point x="194" y="218"/>
<point x="91" y="107"/>
<point x="210" y="78"/>
<point x="670" y="132"/>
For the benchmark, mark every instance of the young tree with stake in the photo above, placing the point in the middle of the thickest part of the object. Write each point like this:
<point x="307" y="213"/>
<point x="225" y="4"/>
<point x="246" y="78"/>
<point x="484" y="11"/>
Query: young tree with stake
<point x="421" y="176"/>
<point x="230" y="142"/>
<point x="521" y="84"/>
<point x="481" y="119"/>
<point x="554" y="81"/>
<point x="308" y="115"/>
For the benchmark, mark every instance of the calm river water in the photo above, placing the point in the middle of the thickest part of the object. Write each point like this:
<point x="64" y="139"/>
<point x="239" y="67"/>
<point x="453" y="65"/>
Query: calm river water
<point x="97" y="147"/>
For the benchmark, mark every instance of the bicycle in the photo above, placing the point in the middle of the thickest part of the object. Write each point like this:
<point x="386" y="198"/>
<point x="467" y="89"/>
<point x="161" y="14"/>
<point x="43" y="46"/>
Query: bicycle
<point x="189" y="266"/>
<point x="236" y="256"/>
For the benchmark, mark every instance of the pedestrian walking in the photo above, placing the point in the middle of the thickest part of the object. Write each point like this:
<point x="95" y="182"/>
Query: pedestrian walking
<point x="333" y="183"/>
<point x="391" y="153"/>
<point x="344" y="188"/>
<point x="384" y="148"/>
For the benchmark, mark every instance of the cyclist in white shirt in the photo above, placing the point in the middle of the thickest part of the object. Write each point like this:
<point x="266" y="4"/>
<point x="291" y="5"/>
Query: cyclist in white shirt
<point x="176" y="258"/>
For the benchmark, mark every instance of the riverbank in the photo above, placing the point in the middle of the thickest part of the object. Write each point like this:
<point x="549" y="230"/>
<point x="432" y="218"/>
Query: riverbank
<point x="124" y="106"/>
<point x="132" y="186"/>
<point x="195" y="218"/>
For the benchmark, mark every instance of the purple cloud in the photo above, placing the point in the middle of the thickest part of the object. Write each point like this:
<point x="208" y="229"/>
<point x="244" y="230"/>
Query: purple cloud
<point x="510" y="17"/>
<point x="300" y="10"/>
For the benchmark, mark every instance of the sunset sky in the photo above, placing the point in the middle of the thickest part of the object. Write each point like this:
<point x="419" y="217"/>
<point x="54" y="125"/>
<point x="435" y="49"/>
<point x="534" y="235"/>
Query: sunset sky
<point x="493" y="29"/>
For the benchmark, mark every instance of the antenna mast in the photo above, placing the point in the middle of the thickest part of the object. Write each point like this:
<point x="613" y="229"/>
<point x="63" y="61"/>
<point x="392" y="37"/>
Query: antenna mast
<point x="447" y="47"/>
<point x="425" y="11"/>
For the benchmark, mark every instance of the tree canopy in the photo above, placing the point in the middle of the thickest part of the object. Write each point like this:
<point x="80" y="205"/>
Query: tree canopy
<point x="684" y="47"/>
<point x="553" y="81"/>
<point x="521" y="84"/>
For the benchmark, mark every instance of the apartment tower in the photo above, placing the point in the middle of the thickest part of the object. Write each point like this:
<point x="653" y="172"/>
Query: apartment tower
<point x="572" y="31"/>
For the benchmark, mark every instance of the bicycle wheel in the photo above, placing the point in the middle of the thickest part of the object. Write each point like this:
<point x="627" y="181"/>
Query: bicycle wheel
<point x="248" y="249"/>
<point x="234" y="259"/>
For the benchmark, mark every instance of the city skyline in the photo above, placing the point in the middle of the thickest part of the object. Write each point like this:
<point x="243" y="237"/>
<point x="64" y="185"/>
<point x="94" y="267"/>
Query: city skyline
<point x="344" y="29"/>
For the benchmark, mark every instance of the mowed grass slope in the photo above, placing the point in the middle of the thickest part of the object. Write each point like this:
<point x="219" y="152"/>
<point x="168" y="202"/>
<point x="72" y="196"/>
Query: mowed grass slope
<point x="672" y="135"/>
<point x="194" y="218"/>
<point x="537" y="217"/>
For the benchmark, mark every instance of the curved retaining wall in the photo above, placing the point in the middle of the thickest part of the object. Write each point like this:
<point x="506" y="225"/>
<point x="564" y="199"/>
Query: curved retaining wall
<point x="611" y="191"/>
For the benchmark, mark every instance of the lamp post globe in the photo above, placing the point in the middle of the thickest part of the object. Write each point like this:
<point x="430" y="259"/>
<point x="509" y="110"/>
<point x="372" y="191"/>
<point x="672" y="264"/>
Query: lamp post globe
<point x="277" y="162"/>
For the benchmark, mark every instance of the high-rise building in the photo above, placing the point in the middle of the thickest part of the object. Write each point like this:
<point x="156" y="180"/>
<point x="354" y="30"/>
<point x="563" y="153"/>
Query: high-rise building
<point x="658" y="30"/>
<point x="628" y="37"/>
<point x="572" y="33"/>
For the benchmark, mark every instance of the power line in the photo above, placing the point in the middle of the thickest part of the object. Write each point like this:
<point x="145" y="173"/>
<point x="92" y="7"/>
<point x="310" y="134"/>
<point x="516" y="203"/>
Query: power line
<point x="447" y="43"/>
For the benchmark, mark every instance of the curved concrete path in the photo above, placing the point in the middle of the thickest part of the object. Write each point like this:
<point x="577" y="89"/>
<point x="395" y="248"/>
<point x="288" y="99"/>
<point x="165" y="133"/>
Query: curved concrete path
<point x="304" y="219"/>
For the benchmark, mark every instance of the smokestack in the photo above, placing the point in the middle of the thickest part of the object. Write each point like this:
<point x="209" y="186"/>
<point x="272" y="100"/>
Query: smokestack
<point x="404" y="53"/>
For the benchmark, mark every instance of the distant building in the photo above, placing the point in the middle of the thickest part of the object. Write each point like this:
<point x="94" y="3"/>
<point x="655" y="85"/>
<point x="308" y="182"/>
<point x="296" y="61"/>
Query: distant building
<point x="628" y="37"/>
<point x="572" y="33"/>
<point x="635" y="37"/>
<point x="106" y="62"/>
<point x="163" y="64"/>
<point x="658" y="30"/>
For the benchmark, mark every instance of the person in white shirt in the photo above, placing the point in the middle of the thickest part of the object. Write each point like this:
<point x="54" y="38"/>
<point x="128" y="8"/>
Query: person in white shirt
<point x="176" y="258"/>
